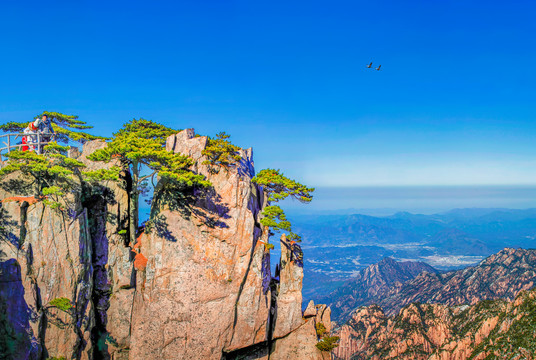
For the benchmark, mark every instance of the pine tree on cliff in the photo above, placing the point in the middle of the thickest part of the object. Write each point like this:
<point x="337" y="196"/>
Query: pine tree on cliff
<point x="49" y="177"/>
<point x="66" y="127"/>
<point x="279" y="187"/>
<point x="220" y="153"/>
<point x="140" y="145"/>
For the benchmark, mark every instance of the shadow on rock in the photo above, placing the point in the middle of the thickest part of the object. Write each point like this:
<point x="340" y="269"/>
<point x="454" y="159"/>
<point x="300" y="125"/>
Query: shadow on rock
<point x="15" y="315"/>
<point x="7" y="225"/>
<point x="17" y="186"/>
<point x="203" y="204"/>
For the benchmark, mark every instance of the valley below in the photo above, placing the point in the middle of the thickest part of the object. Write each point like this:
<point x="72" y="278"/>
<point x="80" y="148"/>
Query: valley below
<point x="453" y="285"/>
<point x="337" y="247"/>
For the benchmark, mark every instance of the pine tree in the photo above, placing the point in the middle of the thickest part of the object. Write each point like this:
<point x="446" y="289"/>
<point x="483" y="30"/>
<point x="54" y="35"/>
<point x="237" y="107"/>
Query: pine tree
<point x="49" y="176"/>
<point x="66" y="127"/>
<point x="220" y="152"/>
<point x="279" y="187"/>
<point x="141" y="143"/>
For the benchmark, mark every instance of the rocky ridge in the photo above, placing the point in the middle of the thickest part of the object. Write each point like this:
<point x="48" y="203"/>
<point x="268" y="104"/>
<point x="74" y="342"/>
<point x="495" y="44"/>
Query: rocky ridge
<point x="490" y="329"/>
<point x="499" y="276"/>
<point x="393" y="285"/>
<point x="195" y="285"/>
<point x="372" y="284"/>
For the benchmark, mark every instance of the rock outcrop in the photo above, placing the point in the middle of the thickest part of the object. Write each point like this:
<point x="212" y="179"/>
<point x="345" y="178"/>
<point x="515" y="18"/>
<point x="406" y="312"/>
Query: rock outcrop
<point x="289" y="297"/>
<point x="195" y="285"/>
<point x="491" y="329"/>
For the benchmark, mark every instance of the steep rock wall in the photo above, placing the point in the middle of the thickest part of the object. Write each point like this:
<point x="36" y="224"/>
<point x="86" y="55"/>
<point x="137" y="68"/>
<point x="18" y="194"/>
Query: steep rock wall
<point x="195" y="285"/>
<point x="46" y="254"/>
<point x="114" y="275"/>
<point x="199" y="290"/>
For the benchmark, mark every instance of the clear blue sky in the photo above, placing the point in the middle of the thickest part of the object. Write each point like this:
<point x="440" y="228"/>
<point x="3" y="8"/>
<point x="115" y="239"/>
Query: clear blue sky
<point x="453" y="104"/>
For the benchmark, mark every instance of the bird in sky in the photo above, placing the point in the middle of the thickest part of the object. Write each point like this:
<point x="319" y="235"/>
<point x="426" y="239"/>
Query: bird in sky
<point x="369" y="65"/>
<point x="378" y="68"/>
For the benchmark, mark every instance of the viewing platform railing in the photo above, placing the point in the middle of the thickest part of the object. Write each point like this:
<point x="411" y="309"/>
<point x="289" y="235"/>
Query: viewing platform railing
<point x="11" y="144"/>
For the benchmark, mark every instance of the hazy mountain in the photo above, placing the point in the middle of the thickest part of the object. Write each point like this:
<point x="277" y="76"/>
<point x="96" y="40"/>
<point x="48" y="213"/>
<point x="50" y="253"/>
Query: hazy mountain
<point x="455" y="241"/>
<point x="337" y="247"/>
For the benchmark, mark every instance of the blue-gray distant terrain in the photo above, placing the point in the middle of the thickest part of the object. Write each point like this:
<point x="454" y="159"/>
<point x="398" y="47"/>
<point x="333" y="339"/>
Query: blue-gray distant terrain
<point x="338" y="246"/>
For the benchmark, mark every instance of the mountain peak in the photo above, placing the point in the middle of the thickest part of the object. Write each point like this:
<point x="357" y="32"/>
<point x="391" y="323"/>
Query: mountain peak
<point x="372" y="283"/>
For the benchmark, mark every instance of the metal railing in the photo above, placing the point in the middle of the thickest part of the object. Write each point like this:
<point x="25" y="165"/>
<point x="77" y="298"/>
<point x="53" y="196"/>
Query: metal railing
<point x="7" y="141"/>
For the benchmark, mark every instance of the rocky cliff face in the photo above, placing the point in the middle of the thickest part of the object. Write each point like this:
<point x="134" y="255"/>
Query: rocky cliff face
<point x="491" y="329"/>
<point x="195" y="285"/>
<point x="45" y="256"/>
<point x="198" y="290"/>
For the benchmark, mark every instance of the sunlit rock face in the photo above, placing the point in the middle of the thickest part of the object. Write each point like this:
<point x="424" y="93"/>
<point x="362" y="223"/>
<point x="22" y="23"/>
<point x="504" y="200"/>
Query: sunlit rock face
<point x="200" y="293"/>
<point x="196" y="284"/>
<point x="289" y="298"/>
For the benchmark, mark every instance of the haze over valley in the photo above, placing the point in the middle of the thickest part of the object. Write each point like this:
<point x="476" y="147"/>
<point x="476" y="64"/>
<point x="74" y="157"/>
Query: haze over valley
<point x="337" y="246"/>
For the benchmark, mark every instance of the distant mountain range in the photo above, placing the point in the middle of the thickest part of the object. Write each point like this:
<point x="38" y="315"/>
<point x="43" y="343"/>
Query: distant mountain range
<point x="337" y="247"/>
<point x="496" y="228"/>
<point x="393" y="285"/>
<point x="404" y="310"/>
<point x="372" y="284"/>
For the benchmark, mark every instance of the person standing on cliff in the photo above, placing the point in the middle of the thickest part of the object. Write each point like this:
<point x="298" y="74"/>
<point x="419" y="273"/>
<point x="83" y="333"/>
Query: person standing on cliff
<point x="45" y="129"/>
<point x="42" y="127"/>
<point x="30" y="136"/>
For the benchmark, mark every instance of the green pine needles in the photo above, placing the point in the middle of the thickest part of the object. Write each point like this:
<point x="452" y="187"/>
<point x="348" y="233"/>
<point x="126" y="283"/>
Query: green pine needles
<point x="279" y="187"/>
<point x="328" y="343"/>
<point x="141" y="144"/>
<point x="220" y="153"/>
<point x="320" y="329"/>
<point x="48" y="176"/>
<point x="61" y="303"/>
<point x="66" y="127"/>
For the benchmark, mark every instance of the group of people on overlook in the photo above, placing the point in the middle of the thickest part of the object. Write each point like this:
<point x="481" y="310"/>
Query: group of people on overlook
<point x="41" y="127"/>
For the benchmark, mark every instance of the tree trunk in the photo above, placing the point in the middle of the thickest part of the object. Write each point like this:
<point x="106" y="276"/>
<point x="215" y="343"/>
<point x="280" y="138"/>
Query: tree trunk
<point x="133" y="205"/>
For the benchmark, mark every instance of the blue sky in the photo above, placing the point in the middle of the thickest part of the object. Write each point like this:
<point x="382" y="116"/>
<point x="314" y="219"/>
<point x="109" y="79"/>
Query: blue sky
<point x="452" y="105"/>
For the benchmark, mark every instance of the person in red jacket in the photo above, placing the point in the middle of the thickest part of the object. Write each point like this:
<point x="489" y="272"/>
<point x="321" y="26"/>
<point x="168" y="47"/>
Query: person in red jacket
<point x="30" y="135"/>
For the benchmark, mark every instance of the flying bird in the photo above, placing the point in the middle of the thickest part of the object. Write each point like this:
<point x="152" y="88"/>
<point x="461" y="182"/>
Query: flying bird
<point x="369" y="65"/>
<point x="378" y="68"/>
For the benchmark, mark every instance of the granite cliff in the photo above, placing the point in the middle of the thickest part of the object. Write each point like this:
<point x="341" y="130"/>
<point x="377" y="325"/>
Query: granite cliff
<point x="196" y="284"/>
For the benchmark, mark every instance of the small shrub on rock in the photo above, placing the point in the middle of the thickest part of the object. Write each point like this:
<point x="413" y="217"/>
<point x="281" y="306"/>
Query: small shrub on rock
<point x="61" y="303"/>
<point x="320" y="329"/>
<point x="328" y="343"/>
